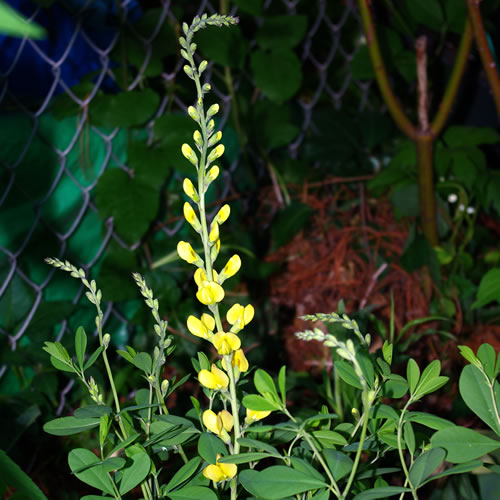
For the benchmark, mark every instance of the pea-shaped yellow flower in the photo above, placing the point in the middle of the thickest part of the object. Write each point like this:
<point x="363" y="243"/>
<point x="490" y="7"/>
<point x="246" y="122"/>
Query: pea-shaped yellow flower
<point x="201" y="328"/>
<point x="219" y="423"/>
<point x="190" y="216"/>
<point x="190" y="190"/>
<point x="214" y="232"/>
<point x="230" y="269"/>
<point x="253" y="415"/>
<point x="209" y="292"/>
<point x="220" y="472"/>
<point x="239" y="361"/>
<point x="186" y="252"/>
<point x="239" y="316"/>
<point x="225" y="342"/>
<point x="212" y="174"/>
<point x="213" y="379"/>
<point x="223" y="214"/>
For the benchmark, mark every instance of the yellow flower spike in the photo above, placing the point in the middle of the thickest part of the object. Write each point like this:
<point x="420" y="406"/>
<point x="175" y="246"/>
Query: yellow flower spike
<point x="210" y="293"/>
<point x="190" y="190"/>
<point x="215" y="139"/>
<point x="230" y="269"/>
<point x="190" y="216"/>
<point x="222" y="214"/>
<point x="217" y="152"/>
<point x="220" y="472"/>
<point x="189" y="154"/>
<point x="254" y="416"/>
<point x="213" y="379"/>
<point x="200" y="328"/>
<point x="239" y="361"/>
<point x="214" y="232"/>
<point x="225" y="342"/>
<point x="186" y="252"/>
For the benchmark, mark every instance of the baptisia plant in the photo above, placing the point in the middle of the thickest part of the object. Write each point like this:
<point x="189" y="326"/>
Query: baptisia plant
<point x="387" y="448"/>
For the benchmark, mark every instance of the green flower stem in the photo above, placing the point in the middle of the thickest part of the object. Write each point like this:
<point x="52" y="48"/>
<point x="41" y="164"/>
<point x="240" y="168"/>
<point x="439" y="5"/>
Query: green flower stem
<point x="115" y="489"/>
<point x="367" y="407"/>
<point x="400" y="448"/>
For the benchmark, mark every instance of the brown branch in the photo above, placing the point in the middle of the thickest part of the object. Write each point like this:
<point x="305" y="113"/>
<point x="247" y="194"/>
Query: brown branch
<point x="483" y="47"/>
<point x="423" y="96"/>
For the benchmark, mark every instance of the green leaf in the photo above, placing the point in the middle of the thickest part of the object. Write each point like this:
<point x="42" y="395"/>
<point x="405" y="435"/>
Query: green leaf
<point x="346" y="372"/>
<point x="148" y="163"/>
<point x="13" y="24"/>
<point x="412" y="374"/>
<point x="431" y="371"/>
<point x="65" y="426"/>
<point x="329" y="438"/>
<point x="383" y="492"/>
<point x="282" y="384"/>
<point x="489" y="289"/>
<point x="258" y="403"/>
<point x="431" y="386"/>
<point x="118" y="264"/>
<point x="244" y="458"/>
<point x="92" y="411"/>
<point x="184" y="473"/>
<point x="137" y="471"/>
<point x="209" y="446"/>
<point x="93" y="358"/>
<point x="475" y="391"/>
<point x="486" y="354"/>
<point x="123" y="444"/>
<point x="395" y="386"/>
<point x="272" y="125"/>
<point x="456" y="14"/>
<point x="132" y="204"/>
<point x="281" y="31"/>
<point x="428" y="13"/>
<point x="405" y="200"/>
<point x="94" y="476"/>
<point x="144" y="362"/>
<point x="264" y="383"/>
<point x="278" y="482"/>
<point x="192" y="493"/>
<point x="126" y="109"/>
<point x="457" y="469"/>
<point x="387" y="352"/>
<point x="431" y="421"/>
<point x="461" y="137"/>
<point x="462" y="444"/>
<point x="425" y="465"/>
<point x="468" y="354"/>
<point x="259" y="445"/>
<point x="289" y="222"/>
<point x="278" y="74"/>
<point x="13" y="476"/>
<point x="409" y="437"/>
<point x="80" y="345"/>
<point x="223" y="46"/>
<point x="339" y="463"/>
<point x="361" y="64"/>
<point x="253" y="7"/>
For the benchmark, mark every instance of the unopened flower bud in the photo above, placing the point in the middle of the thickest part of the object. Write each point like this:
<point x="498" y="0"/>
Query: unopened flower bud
<point x="212" y="110"/>
<point x="210" y="127"/>
<point x="189" y="154"/>
<point x="201" y="68"/>
<point x="217" y="152"/>
<point x="206" y="88"/>
<point x="215" y="139"/>
<point x="193" y="113"/>
<point x="198" y="139"/>
<point x="190" y="190"/>
<point x="188" y="70"/>
<point x="105" y="340"/>
<point x="164" y="387"/>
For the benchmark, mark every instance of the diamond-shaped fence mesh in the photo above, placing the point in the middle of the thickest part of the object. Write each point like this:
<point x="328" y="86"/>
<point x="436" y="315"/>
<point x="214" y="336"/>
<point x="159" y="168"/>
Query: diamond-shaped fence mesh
<point x="53" y="155"/>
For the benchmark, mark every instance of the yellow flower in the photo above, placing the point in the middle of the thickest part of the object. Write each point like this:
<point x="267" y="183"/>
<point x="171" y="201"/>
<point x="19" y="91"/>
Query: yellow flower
<point x="190" y="190"/>
<point x="220" y="472"/>
<point x="214" y="232"/>
<point x="230" y="269"/>
<point x="190" y="155"/>
<point x="209" y="292"/>
<point x="198" y="140"/>
<point x="217" y="152"/>
<point x="225" y="342"/>
<point x="220" y="423"/>
<point x="253" y="415"/>
<point x="213" y="379"/>
<point x="186" y="252"/>
<point x="193" y="113"/>
<point x="239" y="361"/>
<point x="239" y="316"/>
<point x="190" y="216"/>
<point x="203" y="328"/>
<point x="222" y="214"/>
<point x="215" y="139"/>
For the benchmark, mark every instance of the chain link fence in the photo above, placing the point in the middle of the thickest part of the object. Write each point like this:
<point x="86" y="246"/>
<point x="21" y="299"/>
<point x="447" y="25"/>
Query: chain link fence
<point x="53" y="156"/>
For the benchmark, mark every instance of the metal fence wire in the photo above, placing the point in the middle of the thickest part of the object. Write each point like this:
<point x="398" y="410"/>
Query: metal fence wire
<point x="53" y="156"/>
